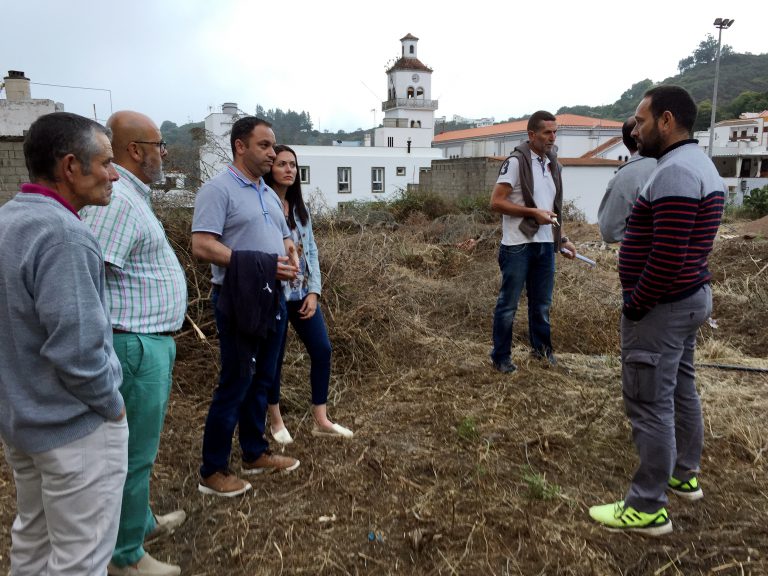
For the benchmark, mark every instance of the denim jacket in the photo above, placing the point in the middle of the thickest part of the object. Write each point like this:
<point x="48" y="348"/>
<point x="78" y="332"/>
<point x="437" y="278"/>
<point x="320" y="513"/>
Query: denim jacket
<point x="314" y="282"/>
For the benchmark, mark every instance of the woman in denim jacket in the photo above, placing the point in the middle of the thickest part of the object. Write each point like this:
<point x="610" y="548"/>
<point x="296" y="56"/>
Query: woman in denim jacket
<point x="301" y="297"/>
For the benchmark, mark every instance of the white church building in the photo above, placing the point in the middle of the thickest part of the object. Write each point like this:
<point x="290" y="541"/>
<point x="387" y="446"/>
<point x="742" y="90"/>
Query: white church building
<point x="333" y="175"/>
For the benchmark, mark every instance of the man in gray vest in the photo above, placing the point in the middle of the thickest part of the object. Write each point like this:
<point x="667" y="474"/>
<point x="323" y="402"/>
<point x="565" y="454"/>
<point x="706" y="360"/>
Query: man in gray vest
<point x="529" y="195"/>
<point x="624" y="188"/>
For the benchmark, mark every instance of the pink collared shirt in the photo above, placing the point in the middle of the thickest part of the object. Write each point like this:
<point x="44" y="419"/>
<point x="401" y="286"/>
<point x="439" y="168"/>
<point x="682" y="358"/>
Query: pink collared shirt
<point x="44" y="191"/>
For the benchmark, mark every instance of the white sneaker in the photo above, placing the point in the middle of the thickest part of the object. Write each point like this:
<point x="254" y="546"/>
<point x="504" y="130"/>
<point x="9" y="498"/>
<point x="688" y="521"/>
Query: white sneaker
<point x="282" y="436"/>
<point x="166" y="525"/>
<point x="335" y="431"/>
<point x="147" y="566"/>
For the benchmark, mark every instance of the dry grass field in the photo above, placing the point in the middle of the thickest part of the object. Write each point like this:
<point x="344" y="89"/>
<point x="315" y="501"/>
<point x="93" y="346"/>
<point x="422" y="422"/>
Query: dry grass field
<point x="455" y="468"/>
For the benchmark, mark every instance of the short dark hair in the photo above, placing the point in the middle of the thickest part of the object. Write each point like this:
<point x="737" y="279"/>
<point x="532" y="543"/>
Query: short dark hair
<point x="626" y="134"/>
<point x="293" y="195"/>
<point x="243" y="127"/>
<point x="53" y="136"/>
<point x="534" y="122"/>
<point x="675" y="100"/>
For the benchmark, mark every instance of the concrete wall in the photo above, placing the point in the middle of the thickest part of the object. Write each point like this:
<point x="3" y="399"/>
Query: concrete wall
<point x="13" y="170"/>
<point x="461" y="177"/>
<point x="583" y="184"/>
<point x="16" y="117"/>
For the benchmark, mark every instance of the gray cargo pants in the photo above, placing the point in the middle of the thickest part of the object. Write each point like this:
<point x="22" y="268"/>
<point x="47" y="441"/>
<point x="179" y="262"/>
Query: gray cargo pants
<point x="660" y="396"/>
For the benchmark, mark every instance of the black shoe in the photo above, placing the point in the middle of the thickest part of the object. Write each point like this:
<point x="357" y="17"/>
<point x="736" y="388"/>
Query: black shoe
<point x="505" y="367"/>
<point x="550" y="357"/>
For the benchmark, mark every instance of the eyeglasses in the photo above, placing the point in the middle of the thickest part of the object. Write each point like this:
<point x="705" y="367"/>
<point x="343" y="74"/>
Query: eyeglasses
<point x="163" y="145"/>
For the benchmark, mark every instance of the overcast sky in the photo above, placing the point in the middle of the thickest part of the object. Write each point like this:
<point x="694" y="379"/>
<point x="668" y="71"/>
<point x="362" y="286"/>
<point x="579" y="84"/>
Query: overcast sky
<point x="180" y="59"/>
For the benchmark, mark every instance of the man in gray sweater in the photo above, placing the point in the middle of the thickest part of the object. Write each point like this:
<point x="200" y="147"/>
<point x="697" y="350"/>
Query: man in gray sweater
<point x="624" y="188"/>
<point x="61" y="414"/>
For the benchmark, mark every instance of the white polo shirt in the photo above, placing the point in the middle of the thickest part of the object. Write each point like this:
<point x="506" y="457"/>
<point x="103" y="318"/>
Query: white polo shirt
<point x="543" y="194"/>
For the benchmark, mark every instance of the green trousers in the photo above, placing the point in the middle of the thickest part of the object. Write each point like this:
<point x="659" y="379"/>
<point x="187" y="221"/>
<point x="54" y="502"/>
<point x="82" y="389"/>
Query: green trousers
<point x="147" y="363"/>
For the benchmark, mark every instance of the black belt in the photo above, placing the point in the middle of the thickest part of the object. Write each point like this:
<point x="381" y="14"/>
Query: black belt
<point x="119" y="331"/>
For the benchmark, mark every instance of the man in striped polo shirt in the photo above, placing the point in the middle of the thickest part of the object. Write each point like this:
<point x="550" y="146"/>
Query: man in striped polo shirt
<point x="148" y="298"/>
<point x="665" y="281"/>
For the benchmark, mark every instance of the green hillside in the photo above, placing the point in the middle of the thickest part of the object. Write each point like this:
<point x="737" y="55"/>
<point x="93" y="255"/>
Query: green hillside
<point x="743" y="86"/>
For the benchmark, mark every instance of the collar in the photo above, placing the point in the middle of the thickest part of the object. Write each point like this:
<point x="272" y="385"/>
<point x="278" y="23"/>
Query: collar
<point x="243" y="181"/>
<point x="678" y="144"/>
<point x="49" y="193"/>
<point x="143" y="189"/>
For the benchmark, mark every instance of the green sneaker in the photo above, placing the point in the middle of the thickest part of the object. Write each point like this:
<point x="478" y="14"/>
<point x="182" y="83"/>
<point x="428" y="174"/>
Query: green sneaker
<point x="619" y="518"/>
<point x="689" y="490"/>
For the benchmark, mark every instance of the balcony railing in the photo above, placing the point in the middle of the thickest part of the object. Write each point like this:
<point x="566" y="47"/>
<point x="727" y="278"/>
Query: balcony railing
<point x="418" y="103"/>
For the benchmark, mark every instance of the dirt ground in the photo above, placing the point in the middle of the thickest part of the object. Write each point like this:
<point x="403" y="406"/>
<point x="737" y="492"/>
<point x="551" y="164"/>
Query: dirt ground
<point x="455" y="468"/>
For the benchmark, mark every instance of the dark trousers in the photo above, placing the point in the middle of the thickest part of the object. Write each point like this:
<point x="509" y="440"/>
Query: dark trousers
<point x="314" y="336"/>
<point x="240" y="397"/>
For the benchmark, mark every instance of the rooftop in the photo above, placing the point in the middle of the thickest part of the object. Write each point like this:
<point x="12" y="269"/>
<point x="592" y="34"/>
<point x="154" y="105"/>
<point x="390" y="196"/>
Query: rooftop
<point x="563" y="121"/>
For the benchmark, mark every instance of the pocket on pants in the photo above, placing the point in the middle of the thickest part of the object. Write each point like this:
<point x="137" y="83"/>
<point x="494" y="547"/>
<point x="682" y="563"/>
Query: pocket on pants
<point x="638" y="374"/>
<point x="134" y="354"/>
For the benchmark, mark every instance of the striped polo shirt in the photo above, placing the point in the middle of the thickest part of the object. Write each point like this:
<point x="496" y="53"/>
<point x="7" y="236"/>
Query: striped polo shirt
<point x="671" y="229"/>
<point x="146" y="285"/>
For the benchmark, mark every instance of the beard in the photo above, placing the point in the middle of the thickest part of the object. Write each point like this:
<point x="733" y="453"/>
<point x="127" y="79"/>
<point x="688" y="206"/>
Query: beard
<point x="153" y="173"/>
<point x="651" y="146"/>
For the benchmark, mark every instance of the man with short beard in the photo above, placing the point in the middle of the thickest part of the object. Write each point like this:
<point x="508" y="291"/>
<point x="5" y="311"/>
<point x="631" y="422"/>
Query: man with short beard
<point x="665" y="280"/>
<point x="148" y="298"/>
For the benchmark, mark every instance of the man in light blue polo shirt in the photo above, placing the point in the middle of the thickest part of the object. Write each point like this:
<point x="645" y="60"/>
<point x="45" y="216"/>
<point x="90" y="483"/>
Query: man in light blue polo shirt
<point x="236" y="212"/>
<point x="147" y="293"/>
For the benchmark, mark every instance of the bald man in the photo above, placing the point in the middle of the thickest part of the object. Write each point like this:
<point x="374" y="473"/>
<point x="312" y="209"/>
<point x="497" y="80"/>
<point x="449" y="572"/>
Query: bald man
<point x="147" y="292"/>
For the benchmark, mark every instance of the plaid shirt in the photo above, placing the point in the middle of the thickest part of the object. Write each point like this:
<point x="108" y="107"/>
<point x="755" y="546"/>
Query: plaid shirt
<point x="146" y="285"/>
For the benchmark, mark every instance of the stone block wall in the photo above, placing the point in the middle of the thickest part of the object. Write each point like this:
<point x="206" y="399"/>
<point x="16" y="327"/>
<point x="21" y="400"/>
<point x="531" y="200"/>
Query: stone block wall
<point x="13" y="170"/>
<point x="458" y="177"/>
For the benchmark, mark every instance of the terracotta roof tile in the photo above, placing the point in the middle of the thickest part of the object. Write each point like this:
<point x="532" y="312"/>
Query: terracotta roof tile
<point x="408" y="36"/>
<point x="589" y="162"/>
<point x="409" y="64"/>
<point x="602" y="148"/>
<point x="563" y="120"/>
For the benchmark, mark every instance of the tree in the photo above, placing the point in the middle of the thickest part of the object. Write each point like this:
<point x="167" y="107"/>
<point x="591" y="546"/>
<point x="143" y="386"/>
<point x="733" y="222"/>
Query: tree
<point x="686" y="64"/>
<point x="707" y="50"/>
<point x="703" y="116"/>
<point x="757" y="201"/>
<point x="748" y="101"/>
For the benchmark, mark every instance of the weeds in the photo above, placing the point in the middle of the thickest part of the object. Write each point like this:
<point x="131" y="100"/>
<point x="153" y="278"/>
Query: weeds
<point x="538" y="486"/>
<point x="467" y="430"/>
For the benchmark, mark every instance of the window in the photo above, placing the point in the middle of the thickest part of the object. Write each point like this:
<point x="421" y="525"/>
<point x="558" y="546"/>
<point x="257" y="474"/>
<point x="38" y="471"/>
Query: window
<point x="419" y="92"/>
<point x="345" y="180"/>
<point x="304" y="174"/>
<point x="377" y="179"/>
<point x="411" y="49"/>
<point x="410" y="92"/>
<point x="400" y="170"/>
<point x="390" y="141"/>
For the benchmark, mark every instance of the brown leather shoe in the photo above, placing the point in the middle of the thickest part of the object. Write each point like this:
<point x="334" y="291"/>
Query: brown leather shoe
<point x="223" y="484"/>
<point x="269" y="462"/>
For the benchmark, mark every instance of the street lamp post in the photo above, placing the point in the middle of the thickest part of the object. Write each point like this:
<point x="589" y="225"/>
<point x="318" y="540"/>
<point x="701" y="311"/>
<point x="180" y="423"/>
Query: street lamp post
<point x="720" y="24"/>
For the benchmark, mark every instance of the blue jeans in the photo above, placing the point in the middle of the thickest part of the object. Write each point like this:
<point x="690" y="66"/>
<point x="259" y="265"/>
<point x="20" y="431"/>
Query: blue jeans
<point x="314" y="335"/>
<point x="531" y="265"/>
<point x="241" y="396"/>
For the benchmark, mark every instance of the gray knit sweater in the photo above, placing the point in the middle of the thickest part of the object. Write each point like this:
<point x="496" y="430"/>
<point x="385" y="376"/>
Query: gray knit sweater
<point x="59" y="376"/>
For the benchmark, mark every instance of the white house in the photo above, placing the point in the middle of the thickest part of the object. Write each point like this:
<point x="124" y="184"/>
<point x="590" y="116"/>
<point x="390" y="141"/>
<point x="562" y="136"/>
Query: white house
<point x="740" y="153"/>
<point x="18" y="109"/>
<point x="333" y="175"/>
<point x="17" y="112"/>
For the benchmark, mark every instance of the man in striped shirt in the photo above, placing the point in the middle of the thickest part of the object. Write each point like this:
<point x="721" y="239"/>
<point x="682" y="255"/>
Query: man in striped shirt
<point x="147" y="292"/>
<point x="665" y="281"/>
